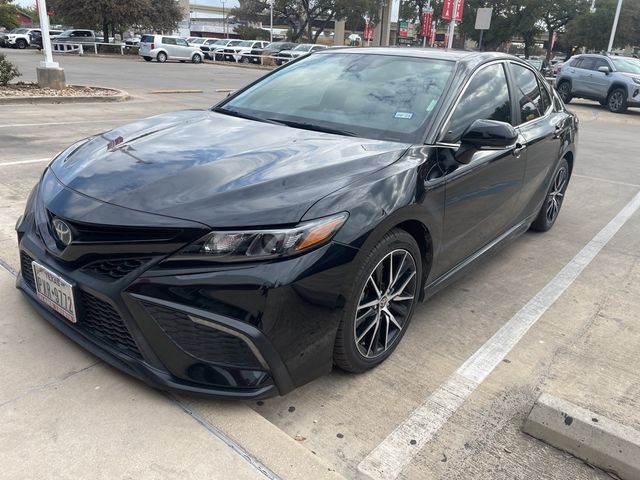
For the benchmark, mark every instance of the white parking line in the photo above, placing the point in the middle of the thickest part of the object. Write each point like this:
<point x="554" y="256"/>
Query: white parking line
<point x="388" y="459"/>
<point x="24" y="162"/>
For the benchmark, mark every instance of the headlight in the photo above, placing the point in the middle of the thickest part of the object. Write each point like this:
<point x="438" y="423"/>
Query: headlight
<point x="249" y="245"/>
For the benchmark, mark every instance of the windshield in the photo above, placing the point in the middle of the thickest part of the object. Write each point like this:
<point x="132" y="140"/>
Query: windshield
<point x="246" y="43"/>
<point x="19" y="30"/>
<point x="198" y="40"/>
<point x="220" y="42"/>
<point x="376" y="96"/>
<point x="305" y="47"/>
<point x="626" y="65"/>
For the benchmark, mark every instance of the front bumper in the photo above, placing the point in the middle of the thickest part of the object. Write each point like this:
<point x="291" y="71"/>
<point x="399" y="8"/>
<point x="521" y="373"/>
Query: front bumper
<point x="239" y="331"/>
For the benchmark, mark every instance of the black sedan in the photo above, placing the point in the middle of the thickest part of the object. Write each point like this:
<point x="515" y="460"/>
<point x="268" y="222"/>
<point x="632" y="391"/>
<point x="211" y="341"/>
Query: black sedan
<point x="339" y="191"/>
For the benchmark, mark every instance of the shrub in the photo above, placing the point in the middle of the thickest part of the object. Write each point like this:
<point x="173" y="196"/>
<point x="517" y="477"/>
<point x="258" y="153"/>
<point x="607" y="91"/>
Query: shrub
<point x="8" y="71"/>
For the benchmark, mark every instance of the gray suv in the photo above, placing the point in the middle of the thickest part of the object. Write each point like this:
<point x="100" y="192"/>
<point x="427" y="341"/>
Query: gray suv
<point x="611" y="80"/>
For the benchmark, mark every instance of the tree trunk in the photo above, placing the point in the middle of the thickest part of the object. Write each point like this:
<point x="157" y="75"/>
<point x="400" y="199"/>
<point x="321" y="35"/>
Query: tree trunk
<point x="549" y="46"/>
<point x="324" y="25"/>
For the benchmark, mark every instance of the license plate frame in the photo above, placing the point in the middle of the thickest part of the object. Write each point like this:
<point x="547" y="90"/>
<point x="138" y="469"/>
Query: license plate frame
<point x="54" y="291"/>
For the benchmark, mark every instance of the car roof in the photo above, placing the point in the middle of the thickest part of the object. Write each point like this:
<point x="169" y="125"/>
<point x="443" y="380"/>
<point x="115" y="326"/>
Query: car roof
<point x="469" y="58"/>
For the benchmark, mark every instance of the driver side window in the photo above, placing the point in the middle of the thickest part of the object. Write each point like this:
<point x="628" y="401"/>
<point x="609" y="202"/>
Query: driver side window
<point x="486" y="97"/>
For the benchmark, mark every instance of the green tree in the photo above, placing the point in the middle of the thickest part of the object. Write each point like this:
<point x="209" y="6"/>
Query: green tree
<point x="8" y="14"/>
<point x="251" y="33"/>
<point x="592" y="30"/>
<point x="556" y="14"/>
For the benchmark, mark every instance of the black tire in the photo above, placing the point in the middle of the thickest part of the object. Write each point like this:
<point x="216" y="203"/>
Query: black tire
<point x="554" y="198"/>
<point x="147" y="59"/>
<point x="197" y="58"/>
<point x="244" y="60"/>
<point x="21" y="43"/>
<point x="347" y="352"/>
<point x="617" y="100"/>
<point x="161" y="57"/>
<point x="564" y="91"/>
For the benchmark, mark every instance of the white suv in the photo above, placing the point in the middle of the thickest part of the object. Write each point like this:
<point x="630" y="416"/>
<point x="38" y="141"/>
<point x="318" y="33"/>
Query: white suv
<point x="165" y="47"/>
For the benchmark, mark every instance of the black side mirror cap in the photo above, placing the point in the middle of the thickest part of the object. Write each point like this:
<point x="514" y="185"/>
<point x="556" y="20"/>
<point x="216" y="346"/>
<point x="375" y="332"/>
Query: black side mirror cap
<point x="486" y="135"/>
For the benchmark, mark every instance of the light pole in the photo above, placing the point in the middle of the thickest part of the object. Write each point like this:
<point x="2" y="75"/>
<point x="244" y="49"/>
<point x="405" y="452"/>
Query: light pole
<point x="615" y="26"/>
<point x="452" y="24"/>
<point x="224" y="20"/>
<point x="271" y="18"/>
<point x="49" y="73"/>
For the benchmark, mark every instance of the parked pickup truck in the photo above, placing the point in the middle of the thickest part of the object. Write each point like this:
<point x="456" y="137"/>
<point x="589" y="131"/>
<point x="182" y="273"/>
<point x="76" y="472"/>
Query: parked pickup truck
<point x="78" y="36"/>
<point x="17" y="38"/>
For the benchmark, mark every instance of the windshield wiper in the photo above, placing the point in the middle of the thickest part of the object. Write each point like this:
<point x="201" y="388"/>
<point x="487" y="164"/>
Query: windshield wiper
<point x="235" y="113"/>
<point x="315" y="128"/>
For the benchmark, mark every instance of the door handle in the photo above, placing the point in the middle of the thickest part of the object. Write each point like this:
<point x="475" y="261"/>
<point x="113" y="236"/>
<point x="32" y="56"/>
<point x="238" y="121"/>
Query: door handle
<point x="519" y="148"/>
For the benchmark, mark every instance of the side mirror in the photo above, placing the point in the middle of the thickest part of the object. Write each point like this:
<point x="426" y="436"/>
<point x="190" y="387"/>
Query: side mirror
<point x="485" y="135"/>
<point x="604" y="69"/>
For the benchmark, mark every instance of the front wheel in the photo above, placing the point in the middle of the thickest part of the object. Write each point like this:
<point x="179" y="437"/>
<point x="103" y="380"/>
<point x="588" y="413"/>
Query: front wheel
<point x="378" y="313"/>
<point x="617" y="100"/>
<point x="22" y="44"/>
<point x="553" y="201"/>
<point x="197" y="58"/>
<point x="564" y="90"/>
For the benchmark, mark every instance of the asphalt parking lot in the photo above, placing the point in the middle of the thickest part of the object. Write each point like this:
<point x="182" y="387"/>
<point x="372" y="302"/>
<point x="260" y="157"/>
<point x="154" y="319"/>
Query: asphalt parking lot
<point x="59" y="405"/>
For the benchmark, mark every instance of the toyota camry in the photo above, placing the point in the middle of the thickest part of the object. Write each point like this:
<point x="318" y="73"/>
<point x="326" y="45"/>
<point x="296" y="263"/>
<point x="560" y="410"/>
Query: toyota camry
<point x="246" y="249"/>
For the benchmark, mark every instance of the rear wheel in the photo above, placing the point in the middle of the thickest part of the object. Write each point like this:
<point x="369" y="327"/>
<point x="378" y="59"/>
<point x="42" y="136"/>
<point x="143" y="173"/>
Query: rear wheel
<point x="381" y="305"/>
<point x="564" y="90"/>
<point x="617" y="100"/>
<point x="197" y="58"/>
<point x="147" y="59"/>
<point x="553" y="202"/>
<point x="161" y="57"/>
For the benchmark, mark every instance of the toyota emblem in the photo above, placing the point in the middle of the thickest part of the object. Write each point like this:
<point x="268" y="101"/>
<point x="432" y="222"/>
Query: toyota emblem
<point x="63" y="231"/>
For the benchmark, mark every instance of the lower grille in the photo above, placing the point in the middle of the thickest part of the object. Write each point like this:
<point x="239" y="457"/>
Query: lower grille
<point x="205" y="343"/>
<point x="95" y="316"/>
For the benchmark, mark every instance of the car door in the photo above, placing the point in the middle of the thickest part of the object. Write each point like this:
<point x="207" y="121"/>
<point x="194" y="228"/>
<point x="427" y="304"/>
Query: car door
<point x="542" y="128"/>
<point x="183" y="49"/>
<point x="597" y="83"/>
<point x="581" y="77"/>
<point x="169" y="45"/>
<point x="480" y="196"/>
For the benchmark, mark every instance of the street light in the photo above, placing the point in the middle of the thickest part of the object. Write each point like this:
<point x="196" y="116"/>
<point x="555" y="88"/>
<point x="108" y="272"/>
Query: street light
<point x="271" y="18"/>
<point x="224" y="21"/>
<point x="615" y="26"/>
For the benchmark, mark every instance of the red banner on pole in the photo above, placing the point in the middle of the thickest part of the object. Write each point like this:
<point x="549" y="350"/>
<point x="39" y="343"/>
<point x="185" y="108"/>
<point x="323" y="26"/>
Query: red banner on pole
<point x="425" y="24"/>
<point x="368" y="31"/>
<point x="459" y="10"/>
<point x="447" y="10"/>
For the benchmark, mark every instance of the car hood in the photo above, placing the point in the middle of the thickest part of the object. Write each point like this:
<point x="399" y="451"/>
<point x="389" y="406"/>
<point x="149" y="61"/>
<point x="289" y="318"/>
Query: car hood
<point x="219" y="170"/>
<point x="631" y="75"/>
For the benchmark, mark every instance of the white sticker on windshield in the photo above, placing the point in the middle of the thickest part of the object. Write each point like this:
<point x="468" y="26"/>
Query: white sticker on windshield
<point x="431" y="105"/>
<point x="405" y="115"/>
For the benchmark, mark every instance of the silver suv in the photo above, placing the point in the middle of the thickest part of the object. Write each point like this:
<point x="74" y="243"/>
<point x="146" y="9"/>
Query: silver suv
<point x="165" y="47"/>
<point x="611" y="80"/>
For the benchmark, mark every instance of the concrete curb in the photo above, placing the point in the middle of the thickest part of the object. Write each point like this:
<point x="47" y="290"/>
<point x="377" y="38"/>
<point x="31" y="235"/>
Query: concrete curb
<point x="121" y="96"/>
<point x="595" y="439"/>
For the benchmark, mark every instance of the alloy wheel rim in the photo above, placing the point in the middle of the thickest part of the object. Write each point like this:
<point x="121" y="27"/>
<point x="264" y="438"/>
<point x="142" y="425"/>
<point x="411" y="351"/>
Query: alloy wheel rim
<point x="615" y="102"/>
<point x="385" y="303"/>
<point x="564" y="91"/>
<point x="554" y="201"/>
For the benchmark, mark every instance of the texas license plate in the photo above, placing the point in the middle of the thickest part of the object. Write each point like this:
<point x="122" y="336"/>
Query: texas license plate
<point x="54" y="291"/>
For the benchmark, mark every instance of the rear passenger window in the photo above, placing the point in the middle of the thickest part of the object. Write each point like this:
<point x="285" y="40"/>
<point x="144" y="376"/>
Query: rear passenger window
<point x="528" y="94"/>
<point x="168" y="41"/>
<point x="486" y="97"/>
<point x="546" y="99"/>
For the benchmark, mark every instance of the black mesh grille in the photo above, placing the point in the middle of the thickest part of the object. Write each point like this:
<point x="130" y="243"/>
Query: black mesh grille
<point x="27" y="271"/>
<point x="203" y="342"/>
<point x="95" y="317"/>
<point x="115" y="269"/>
<point x="102" y="320"/>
